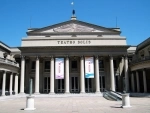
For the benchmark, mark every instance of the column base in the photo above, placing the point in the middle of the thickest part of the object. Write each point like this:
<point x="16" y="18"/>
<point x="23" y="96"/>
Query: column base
<point x="98" y="92"/>
<point x="51" y="93"/>
<point x="82" y="92"/>
<point x="21" y="93"/>
<point x="67" y="92"/>
<point x="36" y="93"/>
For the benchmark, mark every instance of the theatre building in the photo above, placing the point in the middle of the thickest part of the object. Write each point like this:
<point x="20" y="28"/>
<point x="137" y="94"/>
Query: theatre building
<point x="74" y="57"/>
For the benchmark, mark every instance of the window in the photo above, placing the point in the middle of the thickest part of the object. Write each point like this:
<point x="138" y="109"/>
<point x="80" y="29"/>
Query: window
<point x="33" y="66"/>
<point x="74" y="65"/>
<point x="47" y="66"/>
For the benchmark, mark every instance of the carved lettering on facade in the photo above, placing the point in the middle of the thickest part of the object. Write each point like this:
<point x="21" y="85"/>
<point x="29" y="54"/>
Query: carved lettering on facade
<point x="74" y="42"/>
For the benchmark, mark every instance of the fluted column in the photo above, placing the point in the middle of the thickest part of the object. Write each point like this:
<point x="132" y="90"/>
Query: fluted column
<point x="37" y="76"/>
<point x="22" y="75"/>
<point x="144" y="81"/>
<point x="52" y="76"/>
<point x="10" y="84"/>
<point x="137" y="81"/>
<point x="97" y="74"/>
<point x="132" y="82"/>
<point x="67" y="75"/>
<point x="4" y="83"/>
<point x="82" y="84"/>
<point x="16" y="84"/>
<point x="126" y="74"/>
<point x="112" y="78"/>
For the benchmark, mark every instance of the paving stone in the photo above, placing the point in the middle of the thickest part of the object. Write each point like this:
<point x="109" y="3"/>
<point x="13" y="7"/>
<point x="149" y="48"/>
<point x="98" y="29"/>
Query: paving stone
<point x="87" y="104"/>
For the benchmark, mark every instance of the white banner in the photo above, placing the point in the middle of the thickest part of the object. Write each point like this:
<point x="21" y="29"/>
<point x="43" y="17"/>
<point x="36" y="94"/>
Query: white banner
<point x="89" y="67"/>
<point x="59" y="68"/>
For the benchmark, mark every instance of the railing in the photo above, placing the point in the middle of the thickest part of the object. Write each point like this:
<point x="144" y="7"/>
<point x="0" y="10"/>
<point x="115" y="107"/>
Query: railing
<point x="112" y="95"/>
<point x="8" y="61"/>
<point x="140" y="59"/>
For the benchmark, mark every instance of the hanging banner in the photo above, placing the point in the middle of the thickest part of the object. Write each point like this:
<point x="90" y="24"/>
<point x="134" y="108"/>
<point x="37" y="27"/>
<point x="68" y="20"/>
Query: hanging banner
<point x="89" y="67"/>
<point x="59" y="68"/>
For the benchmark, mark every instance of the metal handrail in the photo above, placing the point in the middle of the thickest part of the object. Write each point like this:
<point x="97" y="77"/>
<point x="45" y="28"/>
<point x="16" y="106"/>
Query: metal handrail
<point x="114" y="92"/>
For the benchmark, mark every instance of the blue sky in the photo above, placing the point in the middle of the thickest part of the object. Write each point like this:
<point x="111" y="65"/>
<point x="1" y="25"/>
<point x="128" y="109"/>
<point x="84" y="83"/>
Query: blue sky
<point x="133" y="16"/>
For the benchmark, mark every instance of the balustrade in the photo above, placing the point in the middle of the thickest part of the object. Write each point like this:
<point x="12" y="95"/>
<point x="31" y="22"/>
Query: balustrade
<point x="8" y="61"/>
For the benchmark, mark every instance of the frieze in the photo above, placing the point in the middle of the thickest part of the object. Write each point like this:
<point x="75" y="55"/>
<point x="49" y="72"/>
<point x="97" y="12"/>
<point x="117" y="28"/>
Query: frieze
<point x="74" y="42"/>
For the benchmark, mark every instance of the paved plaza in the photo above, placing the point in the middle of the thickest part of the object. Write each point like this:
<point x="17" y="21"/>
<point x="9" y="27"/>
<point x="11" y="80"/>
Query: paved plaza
<point x="73" y="104"/>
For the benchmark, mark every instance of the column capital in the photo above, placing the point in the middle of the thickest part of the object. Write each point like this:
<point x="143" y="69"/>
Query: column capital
<point x="97" y="56"/>
<point x="82" y="57"/>
<point x="125" y="56"/>
<point x="37" y="57"/>
<point x="144" y="69"/>
<point x="4" y="71"/>
<point x="111" y="57"/>
<point x="22" y="57"/>
<point x="16" y="74"/>
<point x="67" y="56"/>
<point x="51" y="57"/>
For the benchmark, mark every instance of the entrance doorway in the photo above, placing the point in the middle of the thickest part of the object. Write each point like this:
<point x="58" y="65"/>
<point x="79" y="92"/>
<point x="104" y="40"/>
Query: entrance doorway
<point x="88" y="85"/>
<point x="46" y="84"/>
<point x="102" y="83"/>
<point x="74" y="85"/>
<point x="60" y="86"/>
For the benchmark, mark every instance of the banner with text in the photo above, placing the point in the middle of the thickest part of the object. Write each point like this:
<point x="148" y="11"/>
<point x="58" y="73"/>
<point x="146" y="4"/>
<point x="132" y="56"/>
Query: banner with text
<point x="59" y="68"/>
<point x="89" y="67"/>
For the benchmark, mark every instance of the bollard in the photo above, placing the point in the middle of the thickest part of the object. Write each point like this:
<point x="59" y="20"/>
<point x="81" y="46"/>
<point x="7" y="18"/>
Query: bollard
<point x="30" y="99"/>
<point x="125" y="100"/>
<point x="30" y="103"/>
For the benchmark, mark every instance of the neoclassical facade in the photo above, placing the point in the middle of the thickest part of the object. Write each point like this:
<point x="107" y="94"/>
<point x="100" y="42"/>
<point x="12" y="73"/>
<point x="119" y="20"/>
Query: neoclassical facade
<point x="72" y="57"/>
<point x="73" y="41"/>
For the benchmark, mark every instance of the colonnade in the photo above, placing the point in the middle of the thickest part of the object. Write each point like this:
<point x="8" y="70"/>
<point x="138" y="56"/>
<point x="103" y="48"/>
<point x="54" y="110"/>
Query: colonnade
<point x="82" y="75"/>
<point x="138" y="81"/>
<point x="10" y="83"/>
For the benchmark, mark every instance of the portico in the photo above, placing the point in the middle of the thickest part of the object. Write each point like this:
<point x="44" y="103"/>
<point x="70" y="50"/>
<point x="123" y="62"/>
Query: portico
<point x="74" y="77"/>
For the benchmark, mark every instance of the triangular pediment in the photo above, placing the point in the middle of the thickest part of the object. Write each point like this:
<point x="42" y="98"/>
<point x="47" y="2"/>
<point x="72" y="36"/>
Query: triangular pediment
<point x="73" y="26"/>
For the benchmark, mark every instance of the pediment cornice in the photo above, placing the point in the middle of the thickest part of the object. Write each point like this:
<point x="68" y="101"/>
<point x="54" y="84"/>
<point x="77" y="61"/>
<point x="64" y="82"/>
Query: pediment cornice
<point x="73" y="27"/>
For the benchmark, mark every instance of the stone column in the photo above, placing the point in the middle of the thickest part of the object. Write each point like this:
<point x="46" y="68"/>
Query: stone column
<point x="11" y="83"/>
<point x="126" y="74"/>
<point x="97" y="74"/>
<point x="37" y="76"/>
<point x="16" y="84"/>
<point x="52" y="76"/>
<point x="67" y="75"/>
<point x="137" y="80"/>
<point x="112" y="78"/>
<point x="22" y="75"/>
<point x="132" y="82"/>
<point x="144" y="81"/>
<point x="4" y="83"/>
<point x="82" y="83"/>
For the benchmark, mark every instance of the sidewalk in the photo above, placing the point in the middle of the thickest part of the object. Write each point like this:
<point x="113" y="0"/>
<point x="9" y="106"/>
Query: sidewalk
<point x="70" y="104"/>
